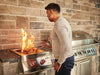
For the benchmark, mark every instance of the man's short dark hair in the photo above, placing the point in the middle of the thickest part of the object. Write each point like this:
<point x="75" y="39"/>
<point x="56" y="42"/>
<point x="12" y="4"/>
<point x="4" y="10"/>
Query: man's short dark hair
<point x="53" y="6"/>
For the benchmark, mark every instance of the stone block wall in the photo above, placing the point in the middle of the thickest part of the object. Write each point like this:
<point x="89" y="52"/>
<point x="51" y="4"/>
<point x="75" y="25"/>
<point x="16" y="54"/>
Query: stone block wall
<point x="31" y="16"/>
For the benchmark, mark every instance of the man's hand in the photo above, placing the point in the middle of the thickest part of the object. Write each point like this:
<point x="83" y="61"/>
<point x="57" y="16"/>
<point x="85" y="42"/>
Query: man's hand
<point x="56" y="66"/>
<point x="46" y="43"/>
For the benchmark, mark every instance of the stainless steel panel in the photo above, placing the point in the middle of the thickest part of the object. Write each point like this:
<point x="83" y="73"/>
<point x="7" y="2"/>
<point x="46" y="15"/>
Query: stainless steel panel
<point x="82" y="67"/>
<point x="82" y="42"/>
<point x="84" y="51"/>
<point x="74" y="70"/>
<point x="85" y="67"/>
<point x="33" y="62"/>
<point x="97" y="64"/>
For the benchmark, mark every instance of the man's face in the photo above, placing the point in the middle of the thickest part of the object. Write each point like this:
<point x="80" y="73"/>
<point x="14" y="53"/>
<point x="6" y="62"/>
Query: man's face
<point x="50" y="15"/>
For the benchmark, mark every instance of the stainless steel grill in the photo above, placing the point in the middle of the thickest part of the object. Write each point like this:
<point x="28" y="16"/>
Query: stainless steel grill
<point x="31" y="62"/>
<point x="84" y="49"/>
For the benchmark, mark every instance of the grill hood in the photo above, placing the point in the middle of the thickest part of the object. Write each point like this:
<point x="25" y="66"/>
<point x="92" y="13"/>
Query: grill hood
<point x="81" y="38"/>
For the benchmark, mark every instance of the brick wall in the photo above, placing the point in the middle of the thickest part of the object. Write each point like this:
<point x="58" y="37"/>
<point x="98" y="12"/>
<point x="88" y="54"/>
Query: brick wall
<point x="31" y="16"/>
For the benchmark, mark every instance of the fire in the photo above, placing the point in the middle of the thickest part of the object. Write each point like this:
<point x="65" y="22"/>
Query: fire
<point x="27" y="43"/>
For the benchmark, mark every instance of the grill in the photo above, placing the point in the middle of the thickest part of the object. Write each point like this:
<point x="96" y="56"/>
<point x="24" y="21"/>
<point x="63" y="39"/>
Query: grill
<point x="83" y="45"/>
<point x="85" y="48"/>
<point x="33" y="60"/>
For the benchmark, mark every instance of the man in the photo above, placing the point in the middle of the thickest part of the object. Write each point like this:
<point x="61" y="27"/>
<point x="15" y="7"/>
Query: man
<point x="61" y="39"/>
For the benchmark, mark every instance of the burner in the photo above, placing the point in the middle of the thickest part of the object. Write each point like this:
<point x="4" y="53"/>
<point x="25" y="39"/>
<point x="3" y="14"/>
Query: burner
<point x="27" y="52"/>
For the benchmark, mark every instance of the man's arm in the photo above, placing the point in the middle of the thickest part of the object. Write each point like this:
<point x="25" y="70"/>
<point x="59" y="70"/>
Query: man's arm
<point x="63" y="37"/>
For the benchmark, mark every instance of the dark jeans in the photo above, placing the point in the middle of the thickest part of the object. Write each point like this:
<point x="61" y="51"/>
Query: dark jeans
<point x="66" y="67"/>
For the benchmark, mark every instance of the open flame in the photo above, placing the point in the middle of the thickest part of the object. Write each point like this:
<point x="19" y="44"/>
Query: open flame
<point x="27" y="43"/>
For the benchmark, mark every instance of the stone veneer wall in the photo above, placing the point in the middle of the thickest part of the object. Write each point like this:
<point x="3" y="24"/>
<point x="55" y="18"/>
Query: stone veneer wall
<point x="31" y="16"/>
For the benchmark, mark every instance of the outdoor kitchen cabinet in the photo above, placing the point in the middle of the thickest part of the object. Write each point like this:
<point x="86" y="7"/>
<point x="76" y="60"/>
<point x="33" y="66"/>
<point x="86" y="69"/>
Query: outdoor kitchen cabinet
<point x="85" y="67"/>
<point x="74" y="70"/>
<point x="96" y="60"/>
<point x="82" y="67"/>
<point x="97" y="65"/>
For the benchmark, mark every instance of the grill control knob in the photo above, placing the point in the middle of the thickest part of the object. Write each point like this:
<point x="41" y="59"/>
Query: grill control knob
<point x="88" y="51"/>
<point x="75" y="54"/>
<point x="84" y="52"/>
<point x="79" y="53"/>
<point x="93" y="50"/>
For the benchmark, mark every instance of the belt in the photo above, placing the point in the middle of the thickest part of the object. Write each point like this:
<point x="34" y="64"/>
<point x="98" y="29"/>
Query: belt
<point x="66" y="58"/>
